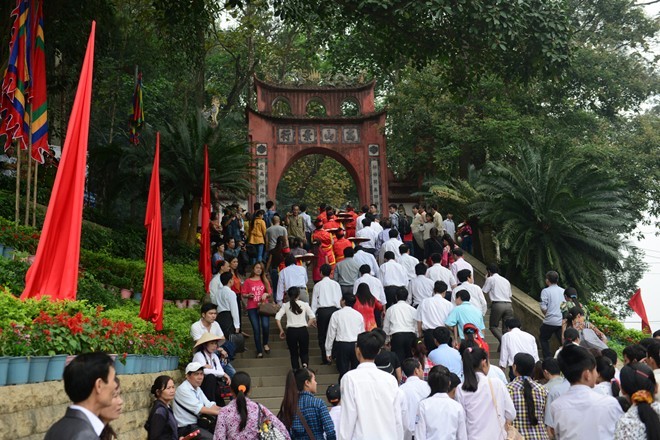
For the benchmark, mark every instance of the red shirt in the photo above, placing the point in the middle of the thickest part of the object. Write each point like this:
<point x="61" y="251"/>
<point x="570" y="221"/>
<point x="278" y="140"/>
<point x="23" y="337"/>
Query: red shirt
<point x="257" y="288"/>
<point x="339" y="246"/>
<point x="367" y="313"/>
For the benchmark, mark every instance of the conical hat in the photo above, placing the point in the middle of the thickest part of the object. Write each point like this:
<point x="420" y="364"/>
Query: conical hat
<point x="207" y="337"/>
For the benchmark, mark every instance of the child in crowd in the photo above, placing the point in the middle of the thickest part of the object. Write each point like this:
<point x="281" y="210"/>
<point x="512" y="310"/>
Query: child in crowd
<point x="333" y="394"/>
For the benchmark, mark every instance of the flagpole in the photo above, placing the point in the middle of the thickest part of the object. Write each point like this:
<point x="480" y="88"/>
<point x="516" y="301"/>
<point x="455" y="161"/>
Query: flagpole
<point x="18" y="183"/>
<point x="34" y="198"/>
<point x="29" y="186"/>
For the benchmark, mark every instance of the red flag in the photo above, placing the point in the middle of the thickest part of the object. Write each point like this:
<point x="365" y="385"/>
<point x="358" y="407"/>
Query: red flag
<point x="637" y="305"/>
<point x="55" y="269"/>
<point x="151" y="307"/>
<point x="205" y="242"/>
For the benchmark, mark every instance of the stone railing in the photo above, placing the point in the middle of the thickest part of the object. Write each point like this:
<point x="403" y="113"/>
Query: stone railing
<point x="27" y="411"/>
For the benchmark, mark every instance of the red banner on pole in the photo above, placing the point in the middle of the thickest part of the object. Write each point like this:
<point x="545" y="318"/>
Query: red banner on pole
<point x="637" y="305"/>
<point x="205" y="242"/>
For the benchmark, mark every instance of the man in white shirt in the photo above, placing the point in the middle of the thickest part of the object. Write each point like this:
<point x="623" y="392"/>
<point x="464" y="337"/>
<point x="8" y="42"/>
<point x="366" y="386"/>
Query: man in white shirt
<point x="375" y="286"/>
<point x="370" y="234"/>
<point x="432" y="313"/>
<point x="420" y="287"/>
<point x="207" y="323"/>
<point x="551" y="298"/>
<point x="358" y="221"/>
<point x="417" y="225"/>
<point x="477" y="298"/>
<point x="450" y="227"/>
<point x="345" y="326"/>
<point x="190" y="401"/>
<point x="89" y="382"/>
<point x="292" y="276"/>
<point x="582" y="413"/>
<point x="361" y="257"/>
<point x="326" y="300"/>
<point x="438" y="272"/>
<point x="400" y="325"/>
<point x="516" y="341"/>
<point x="391" y="245"/>
<point x="498" y="289"/>
<point x="459" y="263"/>
<point x="227" y="307"/>
<point x="370" y="398"/>
<point x="556" y="385"/>
<point x="407" y="261"/>
<point x="437" y="220"/>
<point x="414" y="390"/>
<point x="392" y="275"/>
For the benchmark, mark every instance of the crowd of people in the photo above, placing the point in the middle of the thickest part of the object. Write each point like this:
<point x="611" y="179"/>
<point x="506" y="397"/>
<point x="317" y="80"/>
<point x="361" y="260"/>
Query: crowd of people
<point x="403" y="321"/>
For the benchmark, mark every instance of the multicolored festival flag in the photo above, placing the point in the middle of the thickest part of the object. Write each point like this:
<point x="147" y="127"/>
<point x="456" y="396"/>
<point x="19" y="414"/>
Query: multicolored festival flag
<point x="16" y="82"/>
<point x="38" y="99"/>
<point x="637" y="304"/>
<point x="136" y="120"/>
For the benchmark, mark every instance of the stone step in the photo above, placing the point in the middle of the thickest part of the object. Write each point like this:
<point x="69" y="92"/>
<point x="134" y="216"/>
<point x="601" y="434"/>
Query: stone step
<point x="282" y="369"/>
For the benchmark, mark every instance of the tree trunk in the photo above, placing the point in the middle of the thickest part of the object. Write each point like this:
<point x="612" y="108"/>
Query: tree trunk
<point x="486" y="244"/>
<point x="185" y="220"/>
<point x="194" y="219"/>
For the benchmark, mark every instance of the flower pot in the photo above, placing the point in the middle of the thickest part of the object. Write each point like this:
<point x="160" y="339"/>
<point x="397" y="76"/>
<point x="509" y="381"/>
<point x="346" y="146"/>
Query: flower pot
<point x="8" y="252"/>
<point x="120" y="368"/>
<point x="126" y="293"/>
<point x="174" y="363"/>
<point x="55" y="367"/>
<point x="132" y="364"/>
<point x="18" y="370"/>
<point x="137" y="297"/>
<point x="38" y="369"/>
<point x="4" y="364"/>
<point x="193" y="303"/>
<point x="162" y="363"/>
<point x="181" y="303"/>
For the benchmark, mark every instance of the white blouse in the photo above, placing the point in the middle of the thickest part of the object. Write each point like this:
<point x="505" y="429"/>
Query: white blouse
<point x="293" y="320"/>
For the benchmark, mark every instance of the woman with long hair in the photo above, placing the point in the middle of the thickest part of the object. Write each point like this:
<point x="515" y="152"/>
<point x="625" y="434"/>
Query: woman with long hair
<point x="257" y="236"/>
<point x="236" y="283"/>
<point x="440" y="416"/>
<point x="434" y="244"/>
<point x="487" y="403"/>
<point x="298" y="317"/>
<point x="642" y="421"/>
<point x="239" y="420"/>
<point x="605" y="382"/>
<point x="161" y="424"/>
<point x="205" y="353"/>
<point x="367" y="305"/>
<point x="300" y="407"/>
<point x="257" y="290"/>
<point x="448" y="246"/>
<point x="110" y="413"/>
<point x="590" y="335"/>
<point x="529" y="399"/>
<point x="420" y="352"/>
<point x="276" y="258"/>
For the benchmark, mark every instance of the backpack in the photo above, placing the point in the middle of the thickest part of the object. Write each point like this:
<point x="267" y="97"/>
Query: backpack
<point x="404" y="225"/>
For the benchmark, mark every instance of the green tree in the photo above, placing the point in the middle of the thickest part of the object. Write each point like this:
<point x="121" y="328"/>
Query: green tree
<point x="552" y="210"/>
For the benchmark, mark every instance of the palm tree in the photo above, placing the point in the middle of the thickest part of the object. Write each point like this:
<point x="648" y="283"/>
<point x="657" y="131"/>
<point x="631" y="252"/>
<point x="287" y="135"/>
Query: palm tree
<point x="182" y="167"/>
<point x="555" y="211"/>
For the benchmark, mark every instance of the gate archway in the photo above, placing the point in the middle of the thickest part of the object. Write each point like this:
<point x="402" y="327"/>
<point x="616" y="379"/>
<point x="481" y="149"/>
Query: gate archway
<point x="318" y="123"/>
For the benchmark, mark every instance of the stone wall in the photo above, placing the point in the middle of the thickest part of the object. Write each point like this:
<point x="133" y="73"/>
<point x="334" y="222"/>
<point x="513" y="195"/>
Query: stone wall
<point x="27" y="411"/>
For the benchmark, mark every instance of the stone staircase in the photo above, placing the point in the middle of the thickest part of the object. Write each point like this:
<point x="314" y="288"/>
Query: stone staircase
<point x="269" y="373"/>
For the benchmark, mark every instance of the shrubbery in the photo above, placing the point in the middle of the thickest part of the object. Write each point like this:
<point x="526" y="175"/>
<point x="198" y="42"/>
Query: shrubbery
<point x="619" y="336"/>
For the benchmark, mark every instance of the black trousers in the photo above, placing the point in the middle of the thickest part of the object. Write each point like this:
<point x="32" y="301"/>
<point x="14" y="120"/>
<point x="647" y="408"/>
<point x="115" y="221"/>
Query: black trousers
<point x="346" y="290"/>
<point x="211" y="389"/>
<point x="401" y="345"/>
<point x="297" y="339"/>
<point x="344" y="353"/>
<point x="545" y="334"/>
<point x="323" y="316"/>
<point x="429" y="342"/>
<point x="226" y="323"/>
<point x="390" y="295"/>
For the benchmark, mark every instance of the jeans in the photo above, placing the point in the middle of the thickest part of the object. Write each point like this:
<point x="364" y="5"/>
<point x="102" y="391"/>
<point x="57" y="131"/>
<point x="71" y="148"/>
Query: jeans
<point x="260" y="254"/>
<point x="274" y="278"/>
<point x="466" y="244"/>
<point x="260" y="327"/>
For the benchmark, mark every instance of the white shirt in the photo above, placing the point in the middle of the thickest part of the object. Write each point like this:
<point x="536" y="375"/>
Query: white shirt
<point x="293" y="320"/>
<point x="290" y="276"/>
<point x="393" y="274"/>
<point x="326" y="293"/>
<point x="450" y="227"/>
<point x="198" y="329"/>
<point x="371" y="234"/>
<point x="433" y="311"/>
<point x="498" y="288"/>
<point x="482" y="420"/>
<point x="345" y="326"/>
<point x="414" y="391"/>
<point x="307" y="222"/>
<point x="438" y="272"/>
<point x="419" y="289"/>
<point x="581" y="413"/>
<point x="556" y="387"/>
<point x="358" y="224"/>
<point x="459" y="265"/>
<point x="496" y="373"/>
<point x="94" y="420"/>
<point x="362" y="257"/>
<point x="225" y="299"/>
<point x="376" y="227"/>
<point x="371" y="402"/>
<point x="408" y="262"/>
<point x="391" y="245"/>
<point x="193" y="399"/>
<point x="517" y="341"/>
<point x="212" y="360"/>
<point x="400" y="318"/>
<point x="375" y="287"/>
<point x="440" y="418"/>
<point x="477" y="298"/>
<point x="335" y="415"/>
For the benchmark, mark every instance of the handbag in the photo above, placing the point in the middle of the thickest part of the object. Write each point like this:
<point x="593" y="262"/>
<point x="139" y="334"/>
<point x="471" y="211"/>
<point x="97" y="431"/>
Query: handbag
<point x="267" y="430"/>
<point x="204" y="421"/>
<point x="510" y="430"/>
<point x="268" y="308"/>
<point x="238" y="341"/>
<point x="589" y="339"/>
